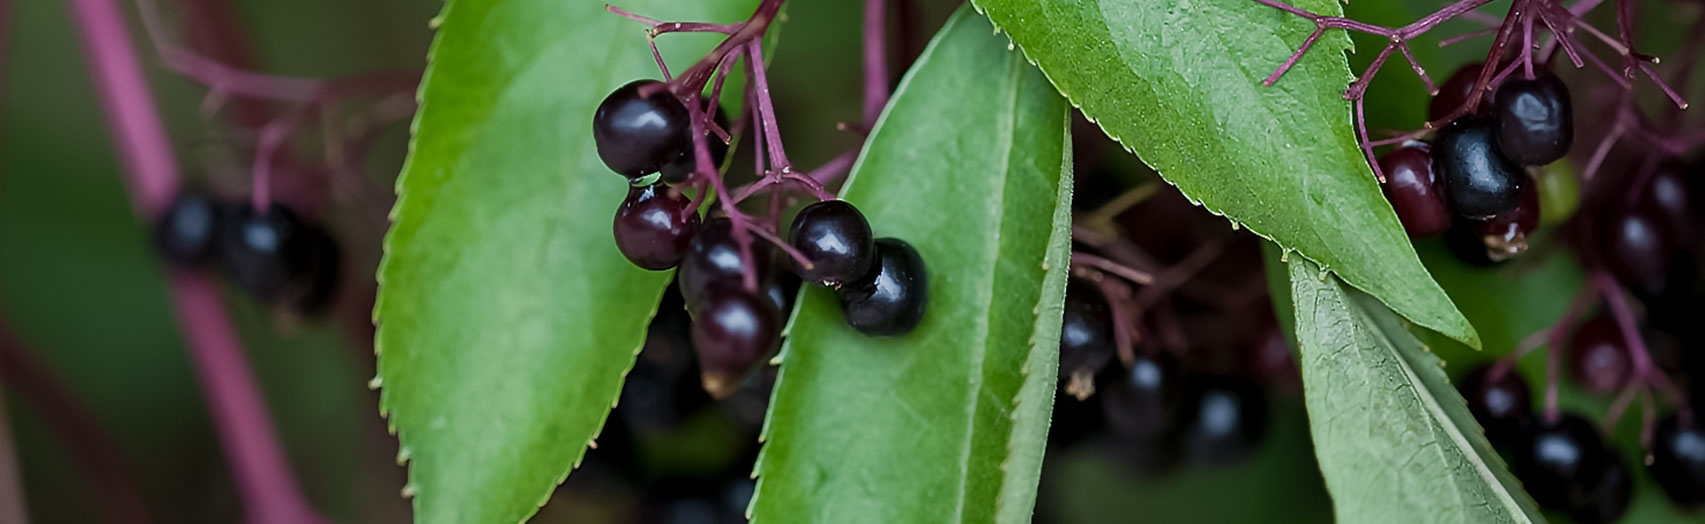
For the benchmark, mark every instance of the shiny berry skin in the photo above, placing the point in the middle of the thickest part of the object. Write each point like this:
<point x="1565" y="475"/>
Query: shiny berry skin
<point x="187" y="232"/>
<point x="1454" y="92"/>
<point x="714" y="257"/>
<point x="891" y="300"/>
<point x="1225" y="420"/>
<point x="1605" y="499"/>
<point x="653" y="226"/>
<point x="1678" y="459"/>
<point x="733" y="331"/>
<point x="682" y="167"/>
<point x="835" y="237"/>
<point x="1086" y="338"/>
<point x="1500" y="401"/>
<point x="1631" y="245"/>
<point x="1598" y="356"/>
<point x="1414" y="191"/>
<point x="269" y="254"/>
<point x="1142" y="402"/>
<point x="1668" y="196"/>
<point x="1561" y="462"/>
<point x="1536" y="120"/>
<point x="640" y="127"/>
<point x="1505" y="235"/>
<point x="1479" y="181"/>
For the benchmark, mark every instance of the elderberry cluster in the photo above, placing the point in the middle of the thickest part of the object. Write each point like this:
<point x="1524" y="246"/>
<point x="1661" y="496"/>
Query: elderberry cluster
<point x="273" y="254"/>
<point x="882" y="284"/>
<point x="1474" y="182"/>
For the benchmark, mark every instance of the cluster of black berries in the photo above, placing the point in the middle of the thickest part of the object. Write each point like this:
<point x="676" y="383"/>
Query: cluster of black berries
<point x="1155" y="411"/>
<point x="643" y="128"/>
<point x="1472" y="184"/>
<point x="273" y="254"/>
<point x="1564" y="462"/>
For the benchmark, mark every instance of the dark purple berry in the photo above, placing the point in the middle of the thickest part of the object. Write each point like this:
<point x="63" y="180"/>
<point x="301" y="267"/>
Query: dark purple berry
<point x="780" y="287"/>
<point x="834" y="236"/>
<point x="1560" y="462"/>
<point x="653" y="226"/>
<point x="1598" y="356"/>
<point x="1141" y="403"/>
<point x="1479" y="181"/>
<point x="714" y="257"/>
<point x="1667" y="194"/>
<point x="682" y="167"/>
<point x="1454" y="93"/>
<point x="1500" y="401"/>
<point x="732" y="332"/>
<point x="1606" y="498"/>
<point x="1536" y="120"/>
<point x="1505" y="236"/>
<point x="187" y="232"/>
<point x="272" y="254"/>
<point x="892" y="298"/>
<point x="1631" y="245"/>
<point x="640" y="127"/>
<point x="1086" y="338"/>
<point x="1678" y="459"/>
<point x="1414" y="191"/>
<point x="1225" y="420"/>
<point x="321" y="278"/>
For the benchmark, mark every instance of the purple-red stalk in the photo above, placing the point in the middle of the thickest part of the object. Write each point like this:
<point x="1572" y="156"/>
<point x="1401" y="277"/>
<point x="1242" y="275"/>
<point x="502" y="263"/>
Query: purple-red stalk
<point x="875" y="60"/>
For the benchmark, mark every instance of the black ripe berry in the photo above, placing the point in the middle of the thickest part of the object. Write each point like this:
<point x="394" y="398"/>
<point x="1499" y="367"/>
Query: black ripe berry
<point x="714" y="257"/>
<point x="835" y="237"/>
<point x="653" y="226"/>
<point x="892" y="298"/>
<point x="276" y="256"/>
<point x="682" y="167"/>
<point x="1500" y="401"/>
<point x="1606" y="499"/>
<point x="1678" y="458"/>
<point x="1224" y="420"/>
<point x="1142" y="402"/>
<point x="1536" y="120"/>
<point x="1504" y="236"/>
<point x="733" y="331"/>
<point x="187" y="232"/>
<point x="1598" y="356"/>
<point x="1479" y="181"/>
<point x="640" y="127"/>
<point x="1454" y="93"/>
<point x="1561" y="462"/>
<point x="1667" y="193"/>
<point x="1414" y="191"/>
<point x="1086" y="338"/>
<point x="1631" y="244"/>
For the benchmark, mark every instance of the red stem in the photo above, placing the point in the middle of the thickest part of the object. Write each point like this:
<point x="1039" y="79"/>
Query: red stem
<point x="11" y="486"/>
<point x="875" y="60"/>
<point x="259" y="467"/>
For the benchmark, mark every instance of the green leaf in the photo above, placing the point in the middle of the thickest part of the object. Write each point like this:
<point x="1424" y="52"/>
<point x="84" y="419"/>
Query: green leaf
<point x="969" y="164"/>
<point x="507" y="317"/>
<point x="1395" y="441"/>
<point x="1179" y="83"/>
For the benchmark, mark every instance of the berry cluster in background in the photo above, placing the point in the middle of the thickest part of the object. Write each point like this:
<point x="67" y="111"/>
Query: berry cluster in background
<point x="273" y="255"/>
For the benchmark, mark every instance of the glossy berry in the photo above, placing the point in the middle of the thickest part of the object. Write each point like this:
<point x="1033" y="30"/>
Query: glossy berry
<point x="1678" y="459"/>
<point x="892" y="298"/>
<point x="273" y="255"/>
<point x="1225" y="420"/>
<point x="835" y="237"/>
<point x="1605" y="499"/>
<point x="1505" y="235"/>
<point x="1479" y="181"/>
<point x="1631" y="245"/>
<point x="640" y="127"/>
<point x="780" y="289"/>
<point x="732" y="332"/>
<point x="1666" y="194"/>
<point x="1598" y="356"/>
<point x="714" y="257"/>
<point x="1141" y="403"/>
<point x="187" y="232"/>
<point x="1561" y="462"/>
<point x="1454" y="92"/>
<point x="1414" y="191"/>
<point x="682" y="167"/>
<point x="1500" y="401"/>
<point x="653" y="226"/>
<point x="1536" y="120"/>
<point x="1086" y="338"/>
